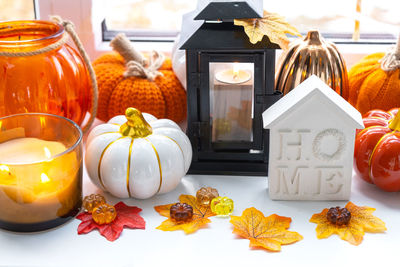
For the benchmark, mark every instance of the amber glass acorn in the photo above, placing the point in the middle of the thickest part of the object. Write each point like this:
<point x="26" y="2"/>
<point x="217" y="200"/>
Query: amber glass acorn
<point x="205" y="194"/>
<point x="104" y="213"/>
<point x="181" y="212"/>
<point x="338" y="216"/>
<point x="92" y="201"/>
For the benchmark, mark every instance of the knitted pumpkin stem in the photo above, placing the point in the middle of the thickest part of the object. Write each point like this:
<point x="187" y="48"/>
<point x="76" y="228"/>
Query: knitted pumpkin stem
<point x="136" y="126"/>
<point x="391" y="60"/>
<point x="395" y="123"/>
<point x="123" y="46"/>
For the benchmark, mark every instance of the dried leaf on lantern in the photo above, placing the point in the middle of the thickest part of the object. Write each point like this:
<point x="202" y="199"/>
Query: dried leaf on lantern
<point x="272" y="25"/>
<point x="127" y="216"/>
<point x="200" y="216"/>
<point x="266" y="232"/>
<point x="361" y="221"/>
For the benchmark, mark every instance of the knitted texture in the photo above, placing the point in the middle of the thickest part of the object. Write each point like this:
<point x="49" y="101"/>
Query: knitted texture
<point x="371" y="87"/>
<point x="164" y="97"/>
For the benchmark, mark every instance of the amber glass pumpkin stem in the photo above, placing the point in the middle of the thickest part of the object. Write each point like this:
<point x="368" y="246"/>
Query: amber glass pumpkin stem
<point x="395" y="123"/>
<point x="136" y="126"/>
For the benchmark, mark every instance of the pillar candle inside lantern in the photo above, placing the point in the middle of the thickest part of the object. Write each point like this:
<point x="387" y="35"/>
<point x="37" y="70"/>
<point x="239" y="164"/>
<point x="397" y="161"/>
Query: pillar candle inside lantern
<point x="231" y="101"/>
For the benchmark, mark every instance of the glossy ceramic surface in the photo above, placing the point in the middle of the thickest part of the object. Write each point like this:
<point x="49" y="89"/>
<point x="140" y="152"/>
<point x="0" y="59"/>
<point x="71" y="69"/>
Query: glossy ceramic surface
<point x="377" y="148"/>
<point x="137" y="167"/>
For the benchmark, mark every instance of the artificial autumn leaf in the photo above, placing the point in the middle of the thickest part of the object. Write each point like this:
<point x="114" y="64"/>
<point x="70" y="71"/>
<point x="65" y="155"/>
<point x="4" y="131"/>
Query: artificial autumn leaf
<point x="361" y="221"/>
<point x="266" y="232"/>
<point x="200" y="216"/>
<point x="127" y="216"/>
<point x="272" y="25"/>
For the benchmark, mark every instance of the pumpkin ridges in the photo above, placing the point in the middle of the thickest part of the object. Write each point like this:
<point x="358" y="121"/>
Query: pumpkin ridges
<point x="387" y="95"/>
<point x="139" y="93"/>
<point x="371" y="87"/>
<point x="357" y="75"/>
<point x="111" y="57"/>
<point x="368" y="93"/>
<point x="174" y="94"/>
<point x="108" y="76"/>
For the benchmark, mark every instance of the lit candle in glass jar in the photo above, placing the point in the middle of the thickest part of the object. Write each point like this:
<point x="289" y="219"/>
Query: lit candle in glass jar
<point x="40" y="180"/>
<point x="234" y="75"/>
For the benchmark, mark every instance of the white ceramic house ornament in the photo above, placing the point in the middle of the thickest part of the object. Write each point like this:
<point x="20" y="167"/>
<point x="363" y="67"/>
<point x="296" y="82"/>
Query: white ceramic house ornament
<point x="312" y="132"/>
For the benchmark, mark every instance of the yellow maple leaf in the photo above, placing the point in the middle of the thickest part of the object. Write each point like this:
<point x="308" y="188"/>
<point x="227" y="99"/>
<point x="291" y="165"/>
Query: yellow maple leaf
<point x="200" y="216"/>
<point x="266" y="232"/>
<point x="361" y="221"/>
<point x="272" y="25"/>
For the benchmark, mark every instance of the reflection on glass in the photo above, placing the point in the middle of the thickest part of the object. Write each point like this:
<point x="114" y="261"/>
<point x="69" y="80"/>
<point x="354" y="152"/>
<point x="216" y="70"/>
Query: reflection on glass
<point x="231" y="101"/>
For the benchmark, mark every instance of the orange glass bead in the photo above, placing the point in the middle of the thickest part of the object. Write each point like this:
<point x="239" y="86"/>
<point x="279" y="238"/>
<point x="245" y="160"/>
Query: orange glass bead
<point x="92" y="201"/>
<point x="104" y="213"/>
<point x="181" y="212"/>
<point x="205" y="194"/>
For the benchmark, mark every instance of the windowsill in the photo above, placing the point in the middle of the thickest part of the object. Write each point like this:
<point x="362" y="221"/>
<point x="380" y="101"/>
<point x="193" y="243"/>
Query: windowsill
<point x="350" y="52"/>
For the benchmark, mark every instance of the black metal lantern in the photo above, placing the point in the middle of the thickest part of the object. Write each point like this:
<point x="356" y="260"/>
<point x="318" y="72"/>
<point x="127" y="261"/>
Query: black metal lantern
<point x="230" y="82"/>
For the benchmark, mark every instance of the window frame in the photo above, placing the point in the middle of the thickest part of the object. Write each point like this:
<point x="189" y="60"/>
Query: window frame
<point x="89" y="19"/>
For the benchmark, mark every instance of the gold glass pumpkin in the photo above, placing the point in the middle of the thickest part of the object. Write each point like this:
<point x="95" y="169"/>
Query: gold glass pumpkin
<point x="312" y="56"/>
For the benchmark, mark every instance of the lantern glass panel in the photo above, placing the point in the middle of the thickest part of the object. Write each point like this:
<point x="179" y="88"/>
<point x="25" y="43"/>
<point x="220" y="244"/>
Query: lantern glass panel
<point x="231" y="101"/>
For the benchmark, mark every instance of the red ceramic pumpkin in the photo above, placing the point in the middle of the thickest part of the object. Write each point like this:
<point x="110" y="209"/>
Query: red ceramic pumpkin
<point x="377" y="149"/>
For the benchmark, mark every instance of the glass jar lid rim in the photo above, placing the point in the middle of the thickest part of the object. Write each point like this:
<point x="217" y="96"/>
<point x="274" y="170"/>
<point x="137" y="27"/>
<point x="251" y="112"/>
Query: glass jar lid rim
<point x="69" y="149"/>
<point x="16" y="23"/>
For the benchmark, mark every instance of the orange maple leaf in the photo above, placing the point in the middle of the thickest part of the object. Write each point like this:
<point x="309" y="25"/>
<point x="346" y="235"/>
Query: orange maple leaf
<point x="200" y="216"/>
<point x="272" y="25"/>
<point x="361" y="221"/>
<point x="266" y="232"/>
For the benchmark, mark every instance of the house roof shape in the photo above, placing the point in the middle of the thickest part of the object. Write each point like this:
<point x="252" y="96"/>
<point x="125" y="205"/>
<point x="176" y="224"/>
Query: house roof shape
<point x="300" y="94"/>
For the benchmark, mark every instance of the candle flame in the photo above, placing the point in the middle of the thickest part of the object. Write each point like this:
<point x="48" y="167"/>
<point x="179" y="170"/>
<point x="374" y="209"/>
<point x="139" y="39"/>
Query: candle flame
<point x="44" y="178"/>
<point x="42" y="122"/>
<point x="235" y="70"/>
<point x="47" y="152"/>
<point x="4" y="168"/>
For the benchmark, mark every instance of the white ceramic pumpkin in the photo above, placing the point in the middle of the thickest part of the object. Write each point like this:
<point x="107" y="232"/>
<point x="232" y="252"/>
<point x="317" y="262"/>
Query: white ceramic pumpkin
<point x="137" y="155"/>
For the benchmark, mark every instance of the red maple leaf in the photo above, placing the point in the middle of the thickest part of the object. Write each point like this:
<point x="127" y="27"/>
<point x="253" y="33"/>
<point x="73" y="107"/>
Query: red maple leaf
<point x="127" y="216"/>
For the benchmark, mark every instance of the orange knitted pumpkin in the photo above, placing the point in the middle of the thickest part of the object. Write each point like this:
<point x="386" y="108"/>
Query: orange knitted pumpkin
<point x="161" y="94"/>
<point x="371" y="87"/>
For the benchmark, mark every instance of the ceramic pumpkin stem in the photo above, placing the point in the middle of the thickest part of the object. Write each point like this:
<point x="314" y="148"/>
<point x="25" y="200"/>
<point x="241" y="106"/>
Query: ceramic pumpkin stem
<point x="395" y="123"/>
<point x="136" y="126"/>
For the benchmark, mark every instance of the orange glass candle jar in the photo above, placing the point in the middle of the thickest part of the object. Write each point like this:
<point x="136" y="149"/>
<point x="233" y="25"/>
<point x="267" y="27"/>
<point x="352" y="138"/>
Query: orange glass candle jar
<point x="40" y="171"/>
<point x="56" y="81"/>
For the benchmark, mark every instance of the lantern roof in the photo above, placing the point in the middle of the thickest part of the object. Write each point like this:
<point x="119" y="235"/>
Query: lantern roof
<point x="228" y="10"/>
<point x="216" y="35"/>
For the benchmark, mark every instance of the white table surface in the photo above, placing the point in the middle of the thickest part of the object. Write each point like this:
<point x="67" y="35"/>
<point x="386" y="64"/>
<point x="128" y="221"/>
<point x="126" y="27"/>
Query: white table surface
<point x="215" y="244"/>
